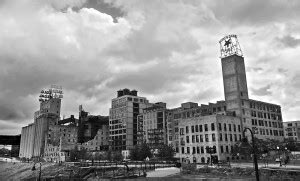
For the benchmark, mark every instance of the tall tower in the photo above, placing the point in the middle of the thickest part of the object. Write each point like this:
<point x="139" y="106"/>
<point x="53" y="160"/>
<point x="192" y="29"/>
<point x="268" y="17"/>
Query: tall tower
<point x="234" y="76"/>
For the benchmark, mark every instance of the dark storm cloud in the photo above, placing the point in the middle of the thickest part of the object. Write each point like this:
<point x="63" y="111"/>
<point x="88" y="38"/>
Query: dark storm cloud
<point x="289" y="41"/>
<point x="104" y="7"/>
<point x="255" y="12"/>
<point x="155" y="79"/>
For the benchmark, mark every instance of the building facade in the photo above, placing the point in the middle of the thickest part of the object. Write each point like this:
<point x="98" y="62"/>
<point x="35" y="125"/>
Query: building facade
<point x="153" y="123"/>
<point x="27" y="138"/>
<point x="100" y="142"/>
<point x="198" y="132"/>
<point x="292" y="130"/>
<point x="123" y="119"/>
<point x="60" y="140"/>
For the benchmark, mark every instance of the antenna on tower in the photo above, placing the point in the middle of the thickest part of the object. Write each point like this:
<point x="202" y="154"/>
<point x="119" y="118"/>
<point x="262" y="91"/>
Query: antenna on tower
<point x="229" y="45"/>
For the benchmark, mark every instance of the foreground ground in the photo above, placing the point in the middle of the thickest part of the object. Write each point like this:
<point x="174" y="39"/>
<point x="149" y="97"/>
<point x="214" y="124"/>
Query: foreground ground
<point x="240" y="171"/>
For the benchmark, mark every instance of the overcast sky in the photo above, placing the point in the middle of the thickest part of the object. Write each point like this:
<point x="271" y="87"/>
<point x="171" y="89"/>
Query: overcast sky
<point x="166" y="49"/>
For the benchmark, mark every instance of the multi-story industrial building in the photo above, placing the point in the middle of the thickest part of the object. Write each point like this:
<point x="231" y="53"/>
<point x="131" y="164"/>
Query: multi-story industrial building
<point x="99" y="142"/>
<point x="123" y="119"/>
<point x="88" y="125"/>
<point x="292" y="130"/>
<point x="237" y="112"/>
<point x="198" y="132"/>
<point x="264" y="116"/>
<point x="60" y="140"/>
<point x="49" y="113"/>
<point x="153" y="125"/>
<point x="188" y="110"/>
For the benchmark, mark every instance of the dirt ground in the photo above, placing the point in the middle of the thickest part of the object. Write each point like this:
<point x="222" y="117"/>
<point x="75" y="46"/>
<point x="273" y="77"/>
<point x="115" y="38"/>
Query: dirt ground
<point x="18" y="171"/>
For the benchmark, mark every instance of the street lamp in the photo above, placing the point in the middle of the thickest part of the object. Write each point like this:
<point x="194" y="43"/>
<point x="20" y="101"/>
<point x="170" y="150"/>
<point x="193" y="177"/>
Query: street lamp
<point x="40" y="173"/>
<point x="254" y="152"/>
<point x="279" y="156"/>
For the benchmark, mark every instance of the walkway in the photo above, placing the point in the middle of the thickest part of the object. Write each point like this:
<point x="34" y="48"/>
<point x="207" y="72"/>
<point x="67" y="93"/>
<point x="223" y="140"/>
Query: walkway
<point x="163" y="172"/>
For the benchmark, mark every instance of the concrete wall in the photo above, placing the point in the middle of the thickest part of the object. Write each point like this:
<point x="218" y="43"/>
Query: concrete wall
<point x="27" y="139"/>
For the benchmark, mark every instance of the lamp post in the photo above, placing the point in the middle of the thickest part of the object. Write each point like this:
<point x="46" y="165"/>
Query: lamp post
<point x="254" y="153"/>
<point x="279" y="156"/>
<point x="40" y="172"/>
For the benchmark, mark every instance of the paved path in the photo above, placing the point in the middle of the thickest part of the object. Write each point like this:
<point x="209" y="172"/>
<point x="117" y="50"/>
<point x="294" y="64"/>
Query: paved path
<point x="262" y="165"/>
<point x="163" y="172"/>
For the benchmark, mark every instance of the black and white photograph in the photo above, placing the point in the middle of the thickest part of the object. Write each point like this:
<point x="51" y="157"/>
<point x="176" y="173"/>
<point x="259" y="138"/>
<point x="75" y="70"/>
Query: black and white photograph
<point x="149" y="90"/>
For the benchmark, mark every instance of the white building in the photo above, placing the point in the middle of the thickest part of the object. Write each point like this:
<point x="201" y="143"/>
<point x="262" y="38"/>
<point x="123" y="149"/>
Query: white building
<point x="198" y="132"/>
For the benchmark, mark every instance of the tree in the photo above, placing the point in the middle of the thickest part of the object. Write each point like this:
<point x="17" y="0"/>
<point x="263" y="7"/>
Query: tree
<point x="117" y="156"/>
<point x="292" y="145"/>
<point x="140" y="152"/>
<point x="108" y="155"/>
<point x="134" y="153"/>
<point x="76" y="154"/>
<point x="166" y="152"/>
<point x="144" y="151"/>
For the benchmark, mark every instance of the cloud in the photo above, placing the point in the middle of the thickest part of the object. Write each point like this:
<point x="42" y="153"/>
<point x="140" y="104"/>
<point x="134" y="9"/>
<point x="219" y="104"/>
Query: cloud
<point x="263" y="91"/>
<point x="289" y="41"/>
<point x="255" y="12"/>
<point x="167" y="50"/>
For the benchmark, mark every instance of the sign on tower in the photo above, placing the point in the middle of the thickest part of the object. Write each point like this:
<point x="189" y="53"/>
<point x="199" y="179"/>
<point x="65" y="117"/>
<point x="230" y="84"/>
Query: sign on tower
<point x="229" y="45"/>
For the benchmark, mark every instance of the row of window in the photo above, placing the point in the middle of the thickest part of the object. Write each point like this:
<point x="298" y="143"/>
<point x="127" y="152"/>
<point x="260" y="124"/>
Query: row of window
<point x="270" y="132"/>
<point x="265" y="107"/>
<point x="199" y="138"/>
<point x="266" y="123"/>
<point x="202" y="150"/>
<point x="191" y="113"/>
<point x="265" y="115"/>
<point x="199" y="128"/>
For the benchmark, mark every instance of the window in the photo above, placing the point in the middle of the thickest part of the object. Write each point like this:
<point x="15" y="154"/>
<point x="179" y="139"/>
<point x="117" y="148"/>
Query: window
<point x="234" y="128"/>
<point x="193" y="138"/>
<point x="226" y="137"/>
<point x="194" y="150"/>
<point x="182" y="150"/>
<point x="213" y="137"/>
<point x="187" y="139"/>
<point x="188" y="150"/>
<point x="205" y="127"/>
<point x="221" y="139"/>
<point x="206" y="149"/>
<point x="220" y="127"/>
<point x="239" y="128"/>
<point x="197" y="128"/>
<point x="187" y="129"/>
<point x="198" y="149"/>
<point x="181" y="131"/>
<point x="206" y="138"/>
<point x="229" y="125"/>
<point x="230" y="136"/>
<point x="222" y="150"/>
<point x="235" y="137"/>
<point x="202" y="149"/>
<point x="201" y="138"/>
<point x="212" y="126"/>
<point x="224" y="126"/>
<point x="214" y="147"/>
<point x="197" y="138"/>
<point x="193" y="130"/>
<point x="227" y="151"/>
<point x="200" y="128"/>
